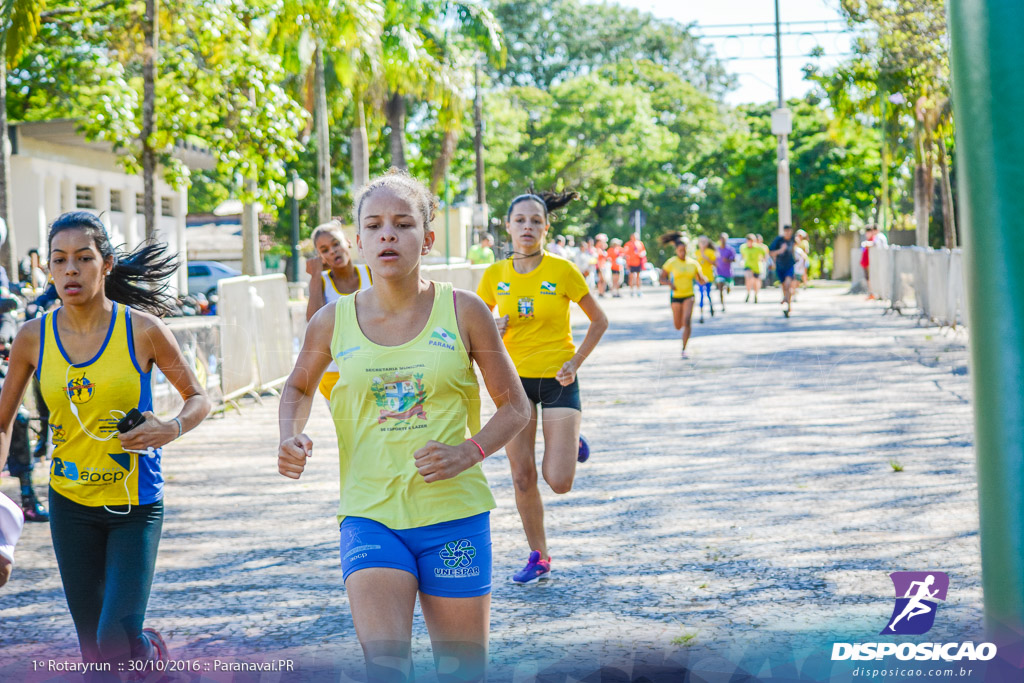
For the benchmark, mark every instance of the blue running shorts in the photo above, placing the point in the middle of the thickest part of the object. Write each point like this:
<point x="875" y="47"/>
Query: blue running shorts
<point x="449" y="559"/>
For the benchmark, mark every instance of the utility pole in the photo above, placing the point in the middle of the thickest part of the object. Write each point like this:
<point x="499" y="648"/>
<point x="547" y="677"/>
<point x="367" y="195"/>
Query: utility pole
<point x="782" y="126"/>
<point x="988" y="92"/>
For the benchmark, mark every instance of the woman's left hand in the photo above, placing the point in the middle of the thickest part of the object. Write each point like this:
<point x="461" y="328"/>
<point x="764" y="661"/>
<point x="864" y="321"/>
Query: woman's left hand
<point x="153" y="433"/>
<point x="437" y="461"/>
<point x="567" y="375"/>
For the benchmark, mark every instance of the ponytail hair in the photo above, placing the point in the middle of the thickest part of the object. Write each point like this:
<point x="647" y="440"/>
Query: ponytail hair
<point x="674" y="238"/>
<point x="551" y="201"/>
<point x="140" y="278"/>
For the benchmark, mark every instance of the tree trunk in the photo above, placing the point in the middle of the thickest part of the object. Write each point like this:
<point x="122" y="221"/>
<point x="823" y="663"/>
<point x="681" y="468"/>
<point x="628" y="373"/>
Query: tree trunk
<point x="884" y="218"/>
<point x="478" y="141"/>
<point x="360" y="152"/>
<point x="922" y="203"/>
<point x="395" y="112"/>
<point x="443" y="161"/>
<point x="150" y="30"/>
<point x="9" y="251"/>
<point x="948" y="210"/>
<point x="323" y="140"/>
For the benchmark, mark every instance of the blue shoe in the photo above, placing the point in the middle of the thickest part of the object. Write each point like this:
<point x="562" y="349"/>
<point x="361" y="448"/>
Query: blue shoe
<point x="584" y="453"/>
<point x="536" y="569"/>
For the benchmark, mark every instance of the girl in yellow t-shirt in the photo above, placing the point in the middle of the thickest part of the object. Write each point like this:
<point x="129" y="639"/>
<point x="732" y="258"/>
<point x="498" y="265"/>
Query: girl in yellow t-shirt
<point x="681" y="272"/>
<point x="705" y="257"/>
<point x="414" y="510"/>
<point x="94" y="357"/>
<point x="332" y="275"/>
<point x="532" y="291"/>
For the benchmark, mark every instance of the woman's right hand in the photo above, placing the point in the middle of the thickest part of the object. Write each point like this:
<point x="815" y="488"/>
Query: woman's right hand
<point x="502" y="324"/>
<point x="292" y="455"/>
<point x="314" y="265"/>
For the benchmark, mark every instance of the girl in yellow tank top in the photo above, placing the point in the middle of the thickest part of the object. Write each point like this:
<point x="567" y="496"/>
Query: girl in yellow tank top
<point x="414" y="500"/>
<point x="341" y="278"/>
<point x="93" y="357"/>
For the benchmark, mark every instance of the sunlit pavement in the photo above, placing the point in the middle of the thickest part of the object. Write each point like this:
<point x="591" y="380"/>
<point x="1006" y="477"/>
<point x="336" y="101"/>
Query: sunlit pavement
<point x="749" y="494"/>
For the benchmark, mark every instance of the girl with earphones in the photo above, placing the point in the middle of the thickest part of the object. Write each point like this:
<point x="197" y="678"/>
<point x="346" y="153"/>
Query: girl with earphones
<point x="532" y="290"/>
<point x="94" y="357"/>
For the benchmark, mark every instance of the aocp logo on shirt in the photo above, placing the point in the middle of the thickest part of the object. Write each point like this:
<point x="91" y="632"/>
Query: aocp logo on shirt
<point x="504" y="287"/>
<point x="548" y="287"/>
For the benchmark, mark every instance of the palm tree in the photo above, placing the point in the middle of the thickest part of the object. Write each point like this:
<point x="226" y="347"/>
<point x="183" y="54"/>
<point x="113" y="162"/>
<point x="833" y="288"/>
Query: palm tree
<point x="309" y="34"/>
<point x="19" y="24"/>
<point x="430" y="38"/>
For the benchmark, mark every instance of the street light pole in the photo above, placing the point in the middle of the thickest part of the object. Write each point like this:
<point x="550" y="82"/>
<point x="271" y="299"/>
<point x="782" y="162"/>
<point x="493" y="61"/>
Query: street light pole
<point x="296" y="189"/>
<point x="294" y="262"/>
<point x="782" y="126"/>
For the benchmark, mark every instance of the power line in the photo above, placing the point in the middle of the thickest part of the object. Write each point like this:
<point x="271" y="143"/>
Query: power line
<point x="771" y="23"/>
<point x="821" y="56"/>
<point x="771" y="35"/>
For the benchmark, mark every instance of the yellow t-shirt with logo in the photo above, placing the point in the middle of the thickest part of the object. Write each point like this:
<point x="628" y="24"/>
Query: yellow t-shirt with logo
<point x="706" y="259"/>
<point x="388" y="402"/>
<point x="682" y="273"/>
<point x="539" y="336"/>
<point x="89" y="398"/>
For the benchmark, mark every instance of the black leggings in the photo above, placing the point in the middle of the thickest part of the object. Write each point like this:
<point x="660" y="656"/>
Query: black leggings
<point x="106" y="563"/>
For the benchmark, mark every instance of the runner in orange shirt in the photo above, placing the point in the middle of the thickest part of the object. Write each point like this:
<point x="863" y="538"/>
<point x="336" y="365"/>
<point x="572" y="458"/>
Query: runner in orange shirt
<point x="615" y="259"/>
<point x="636" y="254"/>
<point x="604" y="271"/>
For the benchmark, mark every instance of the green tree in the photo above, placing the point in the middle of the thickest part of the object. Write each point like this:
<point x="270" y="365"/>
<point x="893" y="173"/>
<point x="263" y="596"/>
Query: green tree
<point x="551" y="41"/>
<point x="834" y="174"/>
<point x="311" y="35"/>
<point x="19" y="24"/>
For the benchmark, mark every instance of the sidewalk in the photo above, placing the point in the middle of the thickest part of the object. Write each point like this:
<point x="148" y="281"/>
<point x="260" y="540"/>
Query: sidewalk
<point x="745" y="495"/>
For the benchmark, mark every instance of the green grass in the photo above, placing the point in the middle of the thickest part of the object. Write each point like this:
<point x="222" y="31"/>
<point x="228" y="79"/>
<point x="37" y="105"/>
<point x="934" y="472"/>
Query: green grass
<point x="685" y="640"/>
<point x="896" y="466"/>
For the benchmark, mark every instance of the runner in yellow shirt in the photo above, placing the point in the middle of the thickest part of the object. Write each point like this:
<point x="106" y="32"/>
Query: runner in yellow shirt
<point x="705" y="255"/>
<point x="414" y="511"/>
<point x="681" y="272"/>
<point x="752" y="254"/>
<point x="532" y="291"/>
<point x="332" y="275"/>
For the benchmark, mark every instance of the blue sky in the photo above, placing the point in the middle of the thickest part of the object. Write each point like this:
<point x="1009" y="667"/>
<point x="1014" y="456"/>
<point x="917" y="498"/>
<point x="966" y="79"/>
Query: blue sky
<point x="756" y="75"/>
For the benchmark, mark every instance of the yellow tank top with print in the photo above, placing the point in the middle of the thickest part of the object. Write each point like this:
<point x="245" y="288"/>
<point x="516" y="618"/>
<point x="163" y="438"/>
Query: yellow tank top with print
<point x="91" y="397"/>
<point x="388" y="402"/>
<point x="331" y="293"/>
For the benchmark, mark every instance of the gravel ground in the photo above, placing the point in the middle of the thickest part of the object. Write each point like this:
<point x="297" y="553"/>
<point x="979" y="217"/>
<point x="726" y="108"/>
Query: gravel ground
<point x="742" y="502"/>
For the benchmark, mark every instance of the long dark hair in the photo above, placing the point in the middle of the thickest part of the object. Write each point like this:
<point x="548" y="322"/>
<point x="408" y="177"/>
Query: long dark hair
<point x="551" y="201"/>
<point x="139" y="278"/>
<point x="674" y="238"/>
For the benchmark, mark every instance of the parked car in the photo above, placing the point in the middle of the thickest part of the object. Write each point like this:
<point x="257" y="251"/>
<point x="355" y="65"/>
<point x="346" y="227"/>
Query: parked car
<point x="650" y="275"/>
<point x="203" y="276"/>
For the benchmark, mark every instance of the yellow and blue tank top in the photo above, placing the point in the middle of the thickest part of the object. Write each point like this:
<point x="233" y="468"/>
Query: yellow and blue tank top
<point x="86" y="470"/>
<point x="388" y="402"/>
<point x="331" y="293"/>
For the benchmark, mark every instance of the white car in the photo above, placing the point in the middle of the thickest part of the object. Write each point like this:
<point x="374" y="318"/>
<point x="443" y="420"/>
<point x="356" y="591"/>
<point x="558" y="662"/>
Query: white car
<point x="650" y="275"/>
<point x="203" y="276"/>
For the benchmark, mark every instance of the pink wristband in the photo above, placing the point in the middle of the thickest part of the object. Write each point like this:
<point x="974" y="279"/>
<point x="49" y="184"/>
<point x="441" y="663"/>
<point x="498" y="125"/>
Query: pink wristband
<point x="481" y="448"/>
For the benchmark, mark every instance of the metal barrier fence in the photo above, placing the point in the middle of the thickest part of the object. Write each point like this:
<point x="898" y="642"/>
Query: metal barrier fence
<point x="237" y="324"/>
<point x="928" y="280"/>
<point x="199" y="340"/>
<point x="272" y="330"/>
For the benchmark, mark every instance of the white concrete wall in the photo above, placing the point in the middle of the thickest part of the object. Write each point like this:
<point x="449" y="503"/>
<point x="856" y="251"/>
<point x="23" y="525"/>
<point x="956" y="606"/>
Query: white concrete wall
<point x="44" y="176"/>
